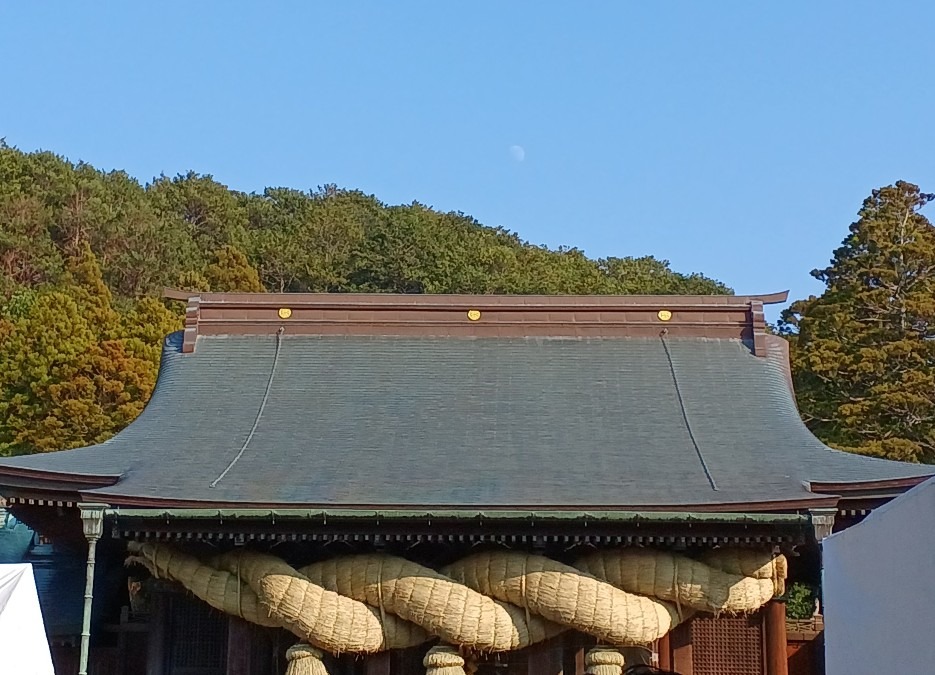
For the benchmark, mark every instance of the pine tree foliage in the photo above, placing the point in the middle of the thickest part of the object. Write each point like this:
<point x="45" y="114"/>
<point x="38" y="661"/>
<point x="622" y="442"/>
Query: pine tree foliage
<point x="863" y="353"/>
<point x="72" y="370"/>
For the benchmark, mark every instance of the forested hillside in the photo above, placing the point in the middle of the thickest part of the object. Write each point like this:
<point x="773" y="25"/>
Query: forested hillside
<point x="84" y="255"/>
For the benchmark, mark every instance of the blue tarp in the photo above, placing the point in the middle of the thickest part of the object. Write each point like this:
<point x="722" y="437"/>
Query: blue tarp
<point x="59" y="576"/>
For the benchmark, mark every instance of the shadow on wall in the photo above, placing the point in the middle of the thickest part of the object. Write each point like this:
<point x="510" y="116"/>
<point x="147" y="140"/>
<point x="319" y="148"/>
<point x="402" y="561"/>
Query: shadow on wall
<point x="59" y="577"/>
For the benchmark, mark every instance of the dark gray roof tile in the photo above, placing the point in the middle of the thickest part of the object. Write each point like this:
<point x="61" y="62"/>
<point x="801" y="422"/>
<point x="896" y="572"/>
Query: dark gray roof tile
<point x="468" y="422"/>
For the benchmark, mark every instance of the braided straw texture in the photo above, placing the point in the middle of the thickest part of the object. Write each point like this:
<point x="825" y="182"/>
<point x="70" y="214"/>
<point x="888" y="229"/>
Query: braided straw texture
<point x="750" y="563"/>
<point x="460" y="614"/>
<point x="397" y="633"/>
<point x="564" y="595"/>
<point x="443" y="660"/>
<point x="495" y="601"/>
<point x="678" y="579"/>
<point x="219" y="588"/>
<point x="304" y="660"/>
<point x="603" y="661"/>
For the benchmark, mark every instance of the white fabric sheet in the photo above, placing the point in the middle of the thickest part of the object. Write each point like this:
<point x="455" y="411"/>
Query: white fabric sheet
<point x="879" y="590"/>
<point x="24" y="649"/>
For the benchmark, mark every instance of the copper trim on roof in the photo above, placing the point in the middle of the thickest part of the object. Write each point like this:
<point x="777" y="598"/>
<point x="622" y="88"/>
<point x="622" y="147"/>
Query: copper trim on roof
<point x="779" y="506"/>
<point x="826" y="487"/>
<point x="89" y="480"/>
<point x="361" y="314"/>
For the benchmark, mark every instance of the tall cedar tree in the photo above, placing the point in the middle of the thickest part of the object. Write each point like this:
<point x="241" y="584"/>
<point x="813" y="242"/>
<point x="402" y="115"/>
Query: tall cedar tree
<point x="863" y="353"/>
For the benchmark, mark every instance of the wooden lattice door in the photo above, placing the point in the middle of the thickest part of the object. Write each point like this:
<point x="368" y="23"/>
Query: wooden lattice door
<point x="196" y="638"/>
<point x="728" y="645"/>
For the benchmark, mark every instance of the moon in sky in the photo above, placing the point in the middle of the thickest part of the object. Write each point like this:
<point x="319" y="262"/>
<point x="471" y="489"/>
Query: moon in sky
<point x="517" y="153"/>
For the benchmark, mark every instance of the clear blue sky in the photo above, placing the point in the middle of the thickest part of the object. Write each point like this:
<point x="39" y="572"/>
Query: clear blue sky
<point x="733" y="138"/>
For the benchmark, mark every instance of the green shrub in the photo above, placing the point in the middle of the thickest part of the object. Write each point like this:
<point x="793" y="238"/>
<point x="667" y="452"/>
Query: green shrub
<point x="800" y="601"/>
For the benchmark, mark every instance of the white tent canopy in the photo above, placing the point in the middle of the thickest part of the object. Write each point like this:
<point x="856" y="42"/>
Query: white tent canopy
<point x="879" y="589"/>
<point x="24" y="649"/>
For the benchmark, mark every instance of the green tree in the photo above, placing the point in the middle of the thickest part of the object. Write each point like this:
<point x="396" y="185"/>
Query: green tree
<point x="210" y="214"/>
<point x="650" y="275"/>
<point x="28" y="256"/>
<point x="231" y="272"/>
<point x="69" y="375"/>
<point x="863" y="353"/>
<point x="145" y="326"/>
<point x="304" y="242"/>
<point x="50" y="208"/>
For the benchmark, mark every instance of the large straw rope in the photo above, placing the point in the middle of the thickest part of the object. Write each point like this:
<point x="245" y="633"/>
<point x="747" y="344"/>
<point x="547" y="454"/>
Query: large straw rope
<point x="219" y="588"/>
<point x="333" y="622"/>
<point x="397" y="632"/>
<point x="457" y="613"/>
<point x="679" y="579"/>
<point x="384" y="582"/>
<point x="566" y="596"/>
<point x="324" y="603"/>
<point x="747" y="562"/>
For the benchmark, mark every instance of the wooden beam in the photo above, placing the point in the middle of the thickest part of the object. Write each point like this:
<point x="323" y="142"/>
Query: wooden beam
<point x="574" y="650"/>
<point x="665" y="652"/>
<point x="777" y="660"/>
<point x="681" y="641"/>
<point x="378" y="664"/>
<point x="239" y="642"/>
<point x="156" y="644"/>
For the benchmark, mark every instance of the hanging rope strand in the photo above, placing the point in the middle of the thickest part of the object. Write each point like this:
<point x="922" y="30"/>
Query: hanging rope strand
<point x="688" y="426"/>
<point x="259" y="412"/>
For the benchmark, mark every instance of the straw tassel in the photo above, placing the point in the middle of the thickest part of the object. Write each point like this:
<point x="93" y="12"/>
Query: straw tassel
<point x="443" y="660"/>
<point x="603" y="661"/>
<point x="305" y="660"/>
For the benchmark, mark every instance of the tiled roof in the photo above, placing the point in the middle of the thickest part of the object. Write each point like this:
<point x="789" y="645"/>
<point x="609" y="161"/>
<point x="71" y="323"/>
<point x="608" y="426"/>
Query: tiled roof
<point x="352" y="421"/>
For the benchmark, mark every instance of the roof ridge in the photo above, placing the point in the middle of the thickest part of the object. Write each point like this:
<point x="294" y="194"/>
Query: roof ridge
<point x="476" y="315"/>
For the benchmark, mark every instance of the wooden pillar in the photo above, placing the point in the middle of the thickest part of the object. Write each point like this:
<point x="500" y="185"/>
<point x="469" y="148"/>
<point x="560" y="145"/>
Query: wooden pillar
<point x="579" y="660"/>
<point x="680" y="639"/>
<point x="574" y="650"/>
<point x="378" y="664"/>
<point x="665" y="652"/>
<point x="156" y="640"/>
<point x="777" y="662"/>
<point x="239" y="643"/>
<point x="545" y="658"/>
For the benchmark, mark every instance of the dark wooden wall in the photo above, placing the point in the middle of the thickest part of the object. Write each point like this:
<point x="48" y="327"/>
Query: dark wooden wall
<point x="188" y="638"/>
<point x="739" y="645"/>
